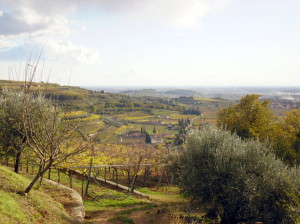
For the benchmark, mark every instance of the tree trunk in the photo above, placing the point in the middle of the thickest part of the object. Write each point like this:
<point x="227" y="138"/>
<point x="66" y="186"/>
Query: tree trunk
<point x="17" y="161"/>
<point x="37" y="176"/>
<point x="49" y="174"/>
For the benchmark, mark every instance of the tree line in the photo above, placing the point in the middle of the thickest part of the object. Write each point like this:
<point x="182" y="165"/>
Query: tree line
<point x="252" y="118"/>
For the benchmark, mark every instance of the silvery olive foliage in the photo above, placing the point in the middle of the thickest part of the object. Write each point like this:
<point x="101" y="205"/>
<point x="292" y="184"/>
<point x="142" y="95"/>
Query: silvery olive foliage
<point x="48" y="138"/>
<point x="241" y="181"/>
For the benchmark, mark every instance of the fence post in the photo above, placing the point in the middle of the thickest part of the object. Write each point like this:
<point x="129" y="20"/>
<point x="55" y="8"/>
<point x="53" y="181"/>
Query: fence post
<point x="113" y="173"/>
<point x="160" y="179"/>
<point x="70" y="177"/>
<point x="58" y="175"/>
<point x="117" y="177"/>
<point x="88" y="178"/>
<point x="27" y="166"/>
<point x="133" y="182"/>
<point x="145" y="176"/>
<point x="82" y="184"/>
<point x="128" y="175"/>
<point x="49" y="174"/>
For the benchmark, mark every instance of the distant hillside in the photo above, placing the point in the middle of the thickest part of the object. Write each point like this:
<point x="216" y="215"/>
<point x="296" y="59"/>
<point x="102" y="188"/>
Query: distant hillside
<point x="36" y="207"/>
<point x="99" y="102"/>
<point x="173" y="93"/>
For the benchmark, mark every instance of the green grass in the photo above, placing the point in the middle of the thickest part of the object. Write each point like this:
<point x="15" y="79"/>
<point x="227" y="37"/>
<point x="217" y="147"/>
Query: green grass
<point x="36" y="207"/>
<point x="121" y="219"/>
<point x="102" y="204"/>
<point x="10" y="209"/>
<point x="129" y="211"/>
<point x="122" y="216"/>
<point x="164" y="195"/>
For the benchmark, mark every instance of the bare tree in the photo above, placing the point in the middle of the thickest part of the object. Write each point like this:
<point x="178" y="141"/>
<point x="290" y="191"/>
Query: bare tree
<point x="37" y="123"/>
<point x="52" y="138"/>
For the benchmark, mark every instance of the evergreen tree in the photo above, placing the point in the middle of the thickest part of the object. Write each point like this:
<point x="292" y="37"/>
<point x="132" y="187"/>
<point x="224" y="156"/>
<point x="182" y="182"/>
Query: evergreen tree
<point x="148" y="138"/>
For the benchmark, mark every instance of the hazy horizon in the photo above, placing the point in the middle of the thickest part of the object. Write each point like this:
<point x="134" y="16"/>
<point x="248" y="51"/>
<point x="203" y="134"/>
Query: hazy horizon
<point x="153" y="43"/>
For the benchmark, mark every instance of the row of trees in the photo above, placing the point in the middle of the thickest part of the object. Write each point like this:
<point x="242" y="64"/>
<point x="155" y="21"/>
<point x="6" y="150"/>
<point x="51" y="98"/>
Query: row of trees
<point x="253" y="119"/>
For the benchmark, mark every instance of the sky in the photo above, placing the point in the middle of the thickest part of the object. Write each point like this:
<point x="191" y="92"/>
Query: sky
<point x="152" y="42"/>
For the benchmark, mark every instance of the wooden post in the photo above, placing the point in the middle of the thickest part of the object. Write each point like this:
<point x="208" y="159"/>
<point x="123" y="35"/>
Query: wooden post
<point x="128" y="175"/>
<point x="70" y="177"/>
<point x="82" y="184"/>
<point x="27" y="166"/>
<point x="133" y="183"/>
<point x="167" y="176"/>
<point x="113" y="177"/>
<point x="145" y="174"/>
<point x="105" y="174"/>
<point x="88" y="178"/>
<point x="58" y="175"/>
<point x="117" y="177"/>
<point x="160" y="179"/>
<point x="172" y="179"/>
<point x="49" y="174"/>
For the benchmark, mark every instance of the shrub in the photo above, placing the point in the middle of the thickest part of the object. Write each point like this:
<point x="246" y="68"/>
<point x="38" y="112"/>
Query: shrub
<point x="241" y="181"/>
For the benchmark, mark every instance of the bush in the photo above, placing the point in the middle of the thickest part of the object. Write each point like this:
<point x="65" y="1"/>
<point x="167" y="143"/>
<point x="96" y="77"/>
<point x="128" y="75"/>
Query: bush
<point x="241" y="181"/>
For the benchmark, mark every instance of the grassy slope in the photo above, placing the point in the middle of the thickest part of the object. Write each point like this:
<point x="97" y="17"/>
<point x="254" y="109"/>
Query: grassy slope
<point x="36" y="207"/>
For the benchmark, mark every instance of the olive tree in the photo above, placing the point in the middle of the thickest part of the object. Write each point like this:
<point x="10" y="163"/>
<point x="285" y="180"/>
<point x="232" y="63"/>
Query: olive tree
<point x="12" y="135"/>
<point x="44" y="132"/>
<point x="241" y="181"/>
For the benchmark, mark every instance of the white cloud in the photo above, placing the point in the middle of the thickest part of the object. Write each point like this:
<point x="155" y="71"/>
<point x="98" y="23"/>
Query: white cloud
<point x="178" y="12"/>
<point x="6" y="44"/>
<point x="172" y="12"/>
<point x="27" y="26"/>
<point x="35" y="22"/>
<point x="65" y="51"/>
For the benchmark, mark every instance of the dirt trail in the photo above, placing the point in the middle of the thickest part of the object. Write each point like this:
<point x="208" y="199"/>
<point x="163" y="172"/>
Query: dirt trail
<point x="143" y="216"/>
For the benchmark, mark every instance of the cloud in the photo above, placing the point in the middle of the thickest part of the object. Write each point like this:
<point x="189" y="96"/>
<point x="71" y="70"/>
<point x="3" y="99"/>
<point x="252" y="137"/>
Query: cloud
<point x="6" y="44"/>
<point x="181" y="13"/>
<point x="25" y="27"/>
<point x="172" y="12"/>
<point x="70" y="53"/>
<point x="20" y="22"/>
<point x="35" y="22"/>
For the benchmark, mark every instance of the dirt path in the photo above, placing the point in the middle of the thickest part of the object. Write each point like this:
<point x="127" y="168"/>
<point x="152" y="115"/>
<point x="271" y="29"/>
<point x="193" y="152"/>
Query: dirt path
<point x="114" y="216"/>
<point x="70" y="199"/>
